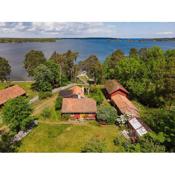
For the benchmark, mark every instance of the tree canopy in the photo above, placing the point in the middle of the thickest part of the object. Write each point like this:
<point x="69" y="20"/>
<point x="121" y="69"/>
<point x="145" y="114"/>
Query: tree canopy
<point x="32" y="59"/>
<point x="17" y="114"/>
<point x="5" y="69"/>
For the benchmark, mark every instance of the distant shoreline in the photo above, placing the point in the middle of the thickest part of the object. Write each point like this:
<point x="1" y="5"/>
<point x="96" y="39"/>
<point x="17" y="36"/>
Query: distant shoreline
<point x="25" y="40"/>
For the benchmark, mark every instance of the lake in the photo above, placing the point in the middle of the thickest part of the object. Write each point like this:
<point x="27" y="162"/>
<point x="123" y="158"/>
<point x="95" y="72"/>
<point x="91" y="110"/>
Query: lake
<point x="15" y="52"/>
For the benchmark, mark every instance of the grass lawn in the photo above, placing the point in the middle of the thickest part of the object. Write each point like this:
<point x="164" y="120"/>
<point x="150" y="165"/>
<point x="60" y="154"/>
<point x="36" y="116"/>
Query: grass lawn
<point x="25" y="85"/>
<point x="54" y="137"/>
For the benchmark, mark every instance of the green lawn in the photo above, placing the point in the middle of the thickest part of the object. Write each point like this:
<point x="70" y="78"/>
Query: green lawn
<point x="55" y="137"/>
<point x="25" y="85"/>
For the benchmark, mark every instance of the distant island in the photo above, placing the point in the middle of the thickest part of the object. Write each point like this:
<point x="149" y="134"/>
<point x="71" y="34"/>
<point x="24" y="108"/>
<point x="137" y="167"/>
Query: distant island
<point x="22" y="40"/>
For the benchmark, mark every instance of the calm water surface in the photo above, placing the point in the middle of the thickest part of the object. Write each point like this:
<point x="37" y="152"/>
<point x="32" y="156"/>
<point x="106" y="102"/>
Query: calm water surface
<point x="15" y="52"/>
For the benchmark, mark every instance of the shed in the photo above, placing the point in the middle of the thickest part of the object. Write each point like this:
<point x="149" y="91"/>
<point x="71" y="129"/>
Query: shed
<point x="114" y="87"/>
<point x="11" y="93"/>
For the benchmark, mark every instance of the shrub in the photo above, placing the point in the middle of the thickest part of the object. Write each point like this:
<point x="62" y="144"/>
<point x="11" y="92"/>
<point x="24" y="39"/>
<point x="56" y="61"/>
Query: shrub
<point x="97" y="94"/>
<point x="107" y="113"/>
<point x="58" y="102"/>
<point x="43" y="95"/>
<point x="94" y="145"/>
<point x="65" y="116"/>
<point x="46" y="113"/>
<point x="17" y="114"/>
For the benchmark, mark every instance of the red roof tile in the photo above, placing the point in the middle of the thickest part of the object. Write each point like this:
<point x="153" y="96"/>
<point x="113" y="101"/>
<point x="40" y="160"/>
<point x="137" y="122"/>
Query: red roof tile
<point x="113" y="86"/>
<point x="10" y="93"/>
<point x="125" y="105"/>
<point x="75" y="105"/>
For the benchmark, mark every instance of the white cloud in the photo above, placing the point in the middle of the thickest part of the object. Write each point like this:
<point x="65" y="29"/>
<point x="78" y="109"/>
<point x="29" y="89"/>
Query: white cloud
<point x="164" y="33"/>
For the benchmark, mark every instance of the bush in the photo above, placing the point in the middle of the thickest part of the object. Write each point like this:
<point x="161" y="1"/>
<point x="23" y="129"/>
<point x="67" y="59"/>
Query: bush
<point x="17" y="114"/>
<point x="106" y="113"/>
<point x="94" y="145"/>
<point x="65" y="116"/>
<point x="97" y="94"/>
<point x="58" y="102"/>
<point x="46" y="113"/>
<point x="43" y="95"/>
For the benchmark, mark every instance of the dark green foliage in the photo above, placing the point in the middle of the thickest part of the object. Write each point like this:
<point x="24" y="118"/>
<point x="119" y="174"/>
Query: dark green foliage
<point x="67" y="63"/>
<point x="17" y="114"/>
<point x="133" y="53"/>
<point x="65" y="116"/>
<point x="6" y="144"/>
<point x="111" y="62"/>
<point x="5" y="69"/>
<point x="93" y="68"/>
<point x="43" y="95"/>
<point x="55" y="69"/>
<point x="95" y="145"/>
<point x="22" y="40"/>
<point x="163" y="121"/>
<point x="151" y="142"/>
<point x="58" y="102"/>
<point x="96" y="94"/>
<point x="32" y="59"/>
<point x="106" y="113"/>
<point x="46" y="113"/>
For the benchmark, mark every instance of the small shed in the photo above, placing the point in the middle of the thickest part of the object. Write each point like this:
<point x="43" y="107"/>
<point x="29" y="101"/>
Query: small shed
<point x="83" y="108"/>
<point x="73" y="92"/>
<point x="11" y="93"/>
<point x="113" y="87"/>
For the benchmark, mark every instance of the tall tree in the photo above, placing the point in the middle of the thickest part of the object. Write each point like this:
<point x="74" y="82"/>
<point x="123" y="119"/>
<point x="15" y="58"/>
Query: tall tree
<point x="5" y="69"/>
<point x="32" y="59"/>
<point x="93" y="68"/>
<point x="67" y="62"/>
<point x="111" y="62"/>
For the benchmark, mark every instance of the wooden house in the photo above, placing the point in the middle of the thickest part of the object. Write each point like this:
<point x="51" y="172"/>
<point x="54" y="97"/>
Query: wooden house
<point x="11" y="93"/>
<point x="83" y="108"/>
<point x="119" y="98"/>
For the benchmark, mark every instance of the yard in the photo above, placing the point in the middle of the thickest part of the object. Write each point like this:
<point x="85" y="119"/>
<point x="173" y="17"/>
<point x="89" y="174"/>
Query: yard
<point x="55" y="137"/>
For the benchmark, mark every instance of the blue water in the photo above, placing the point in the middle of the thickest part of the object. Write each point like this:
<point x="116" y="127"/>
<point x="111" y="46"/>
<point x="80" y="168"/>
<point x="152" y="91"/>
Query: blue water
<point x="15" y="52"/>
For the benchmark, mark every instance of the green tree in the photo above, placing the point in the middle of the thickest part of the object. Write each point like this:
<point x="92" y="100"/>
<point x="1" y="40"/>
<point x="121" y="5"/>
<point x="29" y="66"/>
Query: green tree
<point x="58" y="102"/>
<point x="67" y="62"/>
<point x="111" y="62"/>
<point x="163" y="121"/>
<point x="133" y="53"/>
<point x="5" y="69"/>
<point x="95" y="145"/>
<point x="32" y="59"/>
<point x="17" y="114"/>
<point x="43" y="78"/>
<point x="56" y="72"/>
<point x="93" y="68"/>
<point x="106" y="113"/>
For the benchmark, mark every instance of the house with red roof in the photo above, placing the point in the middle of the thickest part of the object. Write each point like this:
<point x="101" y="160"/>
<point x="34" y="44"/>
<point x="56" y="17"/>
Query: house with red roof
<point x="11" y="93"/>
<point x="79" y="108"/>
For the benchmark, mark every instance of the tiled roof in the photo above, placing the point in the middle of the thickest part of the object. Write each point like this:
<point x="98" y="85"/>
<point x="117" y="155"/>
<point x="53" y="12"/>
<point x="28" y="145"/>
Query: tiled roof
<point x="75" y="105"/>
<point x="10" y="93"/>
<point x="74" y="91"/>
<point x="113" y="86"/>
<point x="125" y="105"/>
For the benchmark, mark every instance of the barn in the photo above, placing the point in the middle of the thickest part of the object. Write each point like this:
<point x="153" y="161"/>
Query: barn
<point x="119" y="98"/>
<point x="11" y="93"/>
<point x="113" y="87"/>
<point x="83" y="108"/>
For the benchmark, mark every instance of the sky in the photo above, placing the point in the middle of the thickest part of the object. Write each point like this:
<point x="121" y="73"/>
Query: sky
<point x="88" y="29"/>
